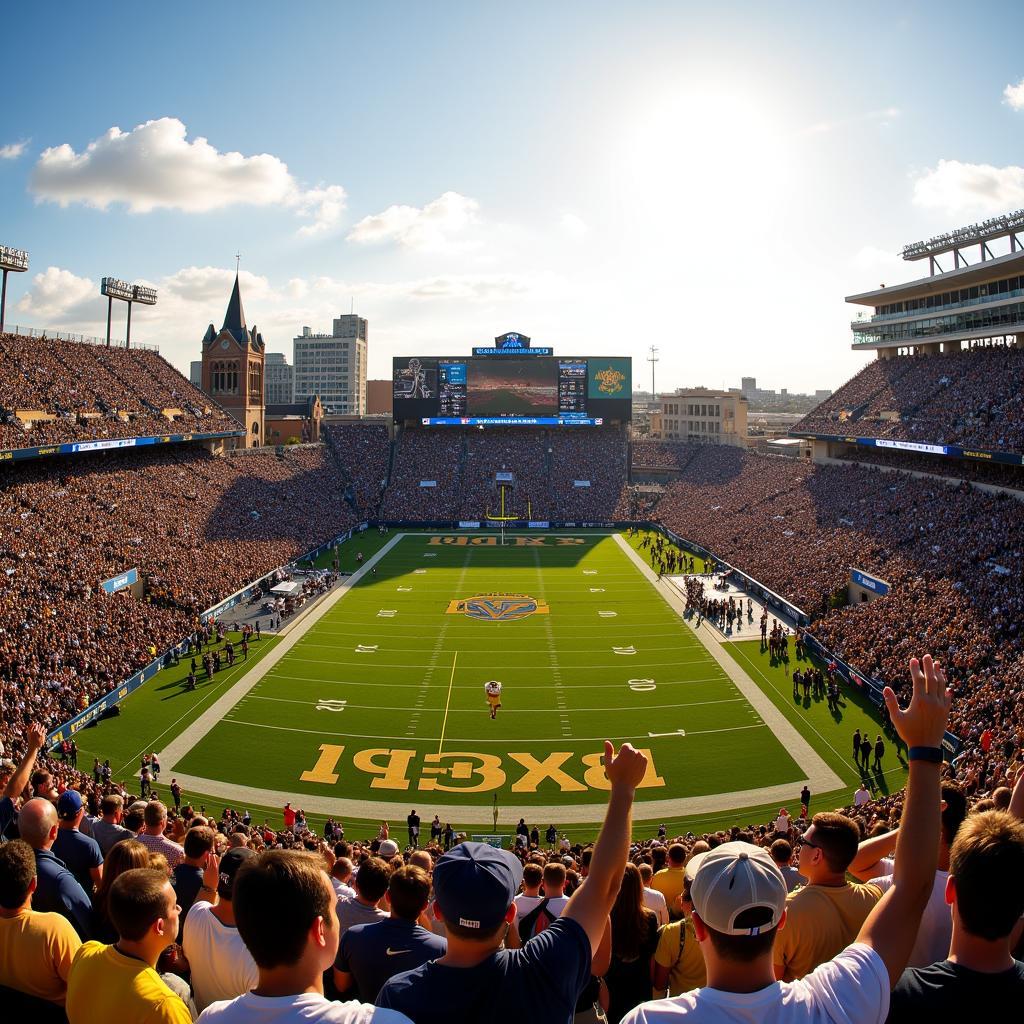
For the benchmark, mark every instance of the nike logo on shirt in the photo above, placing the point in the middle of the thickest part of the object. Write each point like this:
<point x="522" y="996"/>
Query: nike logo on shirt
<point x="396" y="952"/>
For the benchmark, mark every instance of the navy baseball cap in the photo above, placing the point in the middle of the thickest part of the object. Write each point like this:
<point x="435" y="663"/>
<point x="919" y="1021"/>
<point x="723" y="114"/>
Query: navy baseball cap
<point x="229" y="866"/>
<point x="69" y="803"/>
<point x="475" y="884"/>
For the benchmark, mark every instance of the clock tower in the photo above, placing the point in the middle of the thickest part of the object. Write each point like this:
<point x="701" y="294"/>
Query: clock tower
<point x="233" y="369"/>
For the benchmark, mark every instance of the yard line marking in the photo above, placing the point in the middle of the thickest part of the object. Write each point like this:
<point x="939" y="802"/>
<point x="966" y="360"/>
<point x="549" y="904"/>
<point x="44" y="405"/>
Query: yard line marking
<point x="444" y="723"/>
<point x="658" y="735"/>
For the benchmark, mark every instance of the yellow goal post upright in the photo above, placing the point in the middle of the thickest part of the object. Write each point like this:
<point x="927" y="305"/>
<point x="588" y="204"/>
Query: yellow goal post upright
<point x="504" y="487"/>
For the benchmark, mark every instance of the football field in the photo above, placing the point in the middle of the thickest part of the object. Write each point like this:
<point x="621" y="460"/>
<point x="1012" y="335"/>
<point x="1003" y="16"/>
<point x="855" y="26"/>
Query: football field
<point x="375" y="703"/>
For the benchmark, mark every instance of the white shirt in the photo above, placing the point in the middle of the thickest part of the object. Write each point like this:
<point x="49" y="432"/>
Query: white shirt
<point x="782" y="823"/>
<point x="310" y="1006"/>
<point x="222" y="967"/>
<point x="524" y="904"/>
<point x="935" y="932"/>
<point x="494" y="689"/>
<point x="851" y="989"/>
<point x="654" y="900"/>
<point x="861" y="797"/>
<point x="341" y="890"/>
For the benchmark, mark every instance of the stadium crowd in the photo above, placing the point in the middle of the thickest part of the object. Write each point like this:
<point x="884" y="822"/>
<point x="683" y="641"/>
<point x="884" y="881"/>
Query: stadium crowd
<point x="91" y="392"/>
<point x="974" y="398"/>
<point x="362" y="454"/>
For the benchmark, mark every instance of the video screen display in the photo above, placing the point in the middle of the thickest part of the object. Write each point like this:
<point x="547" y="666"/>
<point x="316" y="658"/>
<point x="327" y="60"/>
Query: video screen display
<point x="537" y="390"/>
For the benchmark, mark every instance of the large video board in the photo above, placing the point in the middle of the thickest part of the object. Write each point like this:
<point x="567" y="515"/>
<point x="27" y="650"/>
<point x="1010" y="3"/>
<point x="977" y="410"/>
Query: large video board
<point x="524" y="390"/>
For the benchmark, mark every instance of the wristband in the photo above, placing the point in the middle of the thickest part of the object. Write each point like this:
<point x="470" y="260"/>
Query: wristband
<point x="933" y="755"/>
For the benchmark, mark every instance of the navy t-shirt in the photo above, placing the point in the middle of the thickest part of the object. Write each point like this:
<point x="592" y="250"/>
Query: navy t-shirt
<point x="57" y="891"/>
<point x="80" y="853"/>
<point x="539" y="983"/>
<point x="373" y="953"/>
<point x="950" y="991"/>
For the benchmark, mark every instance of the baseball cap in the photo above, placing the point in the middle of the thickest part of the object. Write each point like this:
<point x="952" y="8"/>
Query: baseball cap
<point x="229" y="865"/>
<point x="732" y="879"/>
<point x="388" y="848"/>
<point x="474" y="884"/>
<point x="68" y="804"/>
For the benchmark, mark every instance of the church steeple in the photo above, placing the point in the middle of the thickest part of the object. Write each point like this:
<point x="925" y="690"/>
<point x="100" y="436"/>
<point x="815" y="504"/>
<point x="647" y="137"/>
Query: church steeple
<point x="234" y="318"/>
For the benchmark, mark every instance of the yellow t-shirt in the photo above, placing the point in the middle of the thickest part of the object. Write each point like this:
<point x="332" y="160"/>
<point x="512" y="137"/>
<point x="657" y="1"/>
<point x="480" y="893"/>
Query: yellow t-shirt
<point x="686" y="971"/>
<point x="669" y="882"/>
<point x="106" y="986"/>
<point x="36" y="951"/>
<point x="821" y="921"/>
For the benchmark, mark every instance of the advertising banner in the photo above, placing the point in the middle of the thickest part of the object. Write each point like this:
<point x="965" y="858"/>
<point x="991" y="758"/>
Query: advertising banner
<point x="116" y="583"/>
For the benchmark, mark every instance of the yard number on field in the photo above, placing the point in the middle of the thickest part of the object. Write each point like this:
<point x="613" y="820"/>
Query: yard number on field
<point x="326" y="704"/>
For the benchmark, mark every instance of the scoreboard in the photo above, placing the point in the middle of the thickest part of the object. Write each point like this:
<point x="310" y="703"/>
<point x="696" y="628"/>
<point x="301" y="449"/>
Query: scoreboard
<point x="518" y="389"/>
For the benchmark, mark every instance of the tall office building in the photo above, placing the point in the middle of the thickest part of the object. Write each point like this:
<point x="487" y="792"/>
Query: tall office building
<point x="277" y="379"/>
<point x="333" y="366"/>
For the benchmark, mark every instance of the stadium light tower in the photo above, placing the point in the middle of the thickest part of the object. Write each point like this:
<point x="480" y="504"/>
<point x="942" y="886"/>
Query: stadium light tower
<point x="652" y="359"/>
<point x="115" y="288"/>
<point x="10" y="259"/>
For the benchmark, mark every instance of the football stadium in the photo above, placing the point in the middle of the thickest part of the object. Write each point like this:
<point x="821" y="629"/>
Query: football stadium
<point x="497" y="687"/>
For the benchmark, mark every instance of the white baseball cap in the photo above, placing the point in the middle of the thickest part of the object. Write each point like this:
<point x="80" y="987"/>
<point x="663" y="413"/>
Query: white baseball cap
<point x="733" y="879"/>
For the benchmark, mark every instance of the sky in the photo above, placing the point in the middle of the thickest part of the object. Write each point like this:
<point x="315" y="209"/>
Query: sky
<point x="710" y="179"/>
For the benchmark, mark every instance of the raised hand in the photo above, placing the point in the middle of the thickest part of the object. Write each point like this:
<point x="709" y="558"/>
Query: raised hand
<point x="36" y="737"/>
<point x="626" y="769"/>
<point x="923" y="723"/>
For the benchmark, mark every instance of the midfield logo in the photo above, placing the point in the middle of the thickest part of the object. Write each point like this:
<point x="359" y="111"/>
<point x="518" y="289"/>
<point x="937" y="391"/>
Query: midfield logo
<point x="498" y="607"/>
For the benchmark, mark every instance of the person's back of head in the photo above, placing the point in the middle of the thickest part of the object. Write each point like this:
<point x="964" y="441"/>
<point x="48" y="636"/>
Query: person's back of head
<point x="341" y="869"/>
<point x="372" y="879"/>
<point x="110" y="805"/>
<point x="986" y="869"/>
<point x="554" y="879"/>
<point x="782" y="852"/>
<point x="676" y="855"/>
<point x="533" y="875"/>
<point x="954" y="810"/>
<point x="199" y="842"/>
<point x="283" y="902"/>
<point x="1001" y="797"/>
<point x="408" y="892"/>
<point x="422" y="860"/>
<point x="155" y="817"/>
<point x="139" y="899"/>
<point x="37" y="823"/>
<point x="836" y="837"/>
<point x="646" y="874"/>
<point x="17" y="873"/>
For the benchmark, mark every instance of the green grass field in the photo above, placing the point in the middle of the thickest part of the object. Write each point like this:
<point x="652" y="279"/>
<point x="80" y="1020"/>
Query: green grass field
<point x="381" y="701"/>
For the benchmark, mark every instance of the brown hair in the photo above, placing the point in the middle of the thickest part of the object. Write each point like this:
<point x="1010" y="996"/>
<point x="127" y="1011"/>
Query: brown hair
<point x="631" y="920"/>
<point x="137" y="899"/>
<point x="17" y="869"/>
<point x="986" y="863"/>
<point x="532" y="875"/>
<point x="372" y="878"/>
<point x="121" y="857"/>
<point x="554" y="876"/>
<point x="408" y="892"/>
<point x="743" y="949"/>
<point x="954" y="812"/>
<point x="198" y="841"/>
<point x="278" y="895"/>
<point x="838" y="837"/>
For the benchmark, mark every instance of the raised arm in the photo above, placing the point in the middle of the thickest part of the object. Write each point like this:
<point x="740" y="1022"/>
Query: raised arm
<point x="19" y="780"/>
<point x="892" y="925"/>
<point x="592" y="902"/>
<point x="865" y="865"/>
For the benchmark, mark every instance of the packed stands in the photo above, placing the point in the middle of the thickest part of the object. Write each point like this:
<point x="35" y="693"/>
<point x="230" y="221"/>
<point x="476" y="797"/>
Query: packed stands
<point x="362" y="453"/>
<point x="974" y="398"/>
<point x="521" y="451"/>
<point x="55" y="391"/>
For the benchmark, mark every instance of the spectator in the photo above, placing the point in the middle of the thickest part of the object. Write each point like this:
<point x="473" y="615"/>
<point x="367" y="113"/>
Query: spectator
<point x="120" y="982"/>
<point x="187" y="878"/>
<point x="669" y="881"/>
<point x="986" y="892"/>
<point x="873" y="862"/>
<point x="823" y="917"/>
<point x="341" y="878"/>
<point x="782" y="854"/>
<point x="107" y="829"/>
<point x="530" y="897"/>
<point x="80" y="854"/>
<point x="862" y="796"/>
<point x="740" y="901"/>
<point x="678" y="961"/>
<point x="222" y="965"/>
<point x="634" y="940"/>
<point x="57" y="890"/>
<point x="153" y="838"/>
<point x="287" y="920"/>
<point x="370" y="954"/>
<point x="554" y="888"/>
<point x="371" y="883"/>
<point x="653" y="900"/>
<point x="474" y="887"/>
<point x="36" y="949"/>
<point x="123" y="856"/>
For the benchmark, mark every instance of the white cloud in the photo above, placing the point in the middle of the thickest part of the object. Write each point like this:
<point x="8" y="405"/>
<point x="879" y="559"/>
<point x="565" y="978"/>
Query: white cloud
<point x="13" y="150"/>
<point x="884" y="117"/>
<point x="956" y="187"/>
<point x="465" y="287"/>
<point x="573" y="225"/>
<point x="1013" y="95"/>
<point x="56" y="292"/>
<point x="429" y="227"/>
<point x="154" y="166"/>
<point x="211" y="284"/>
